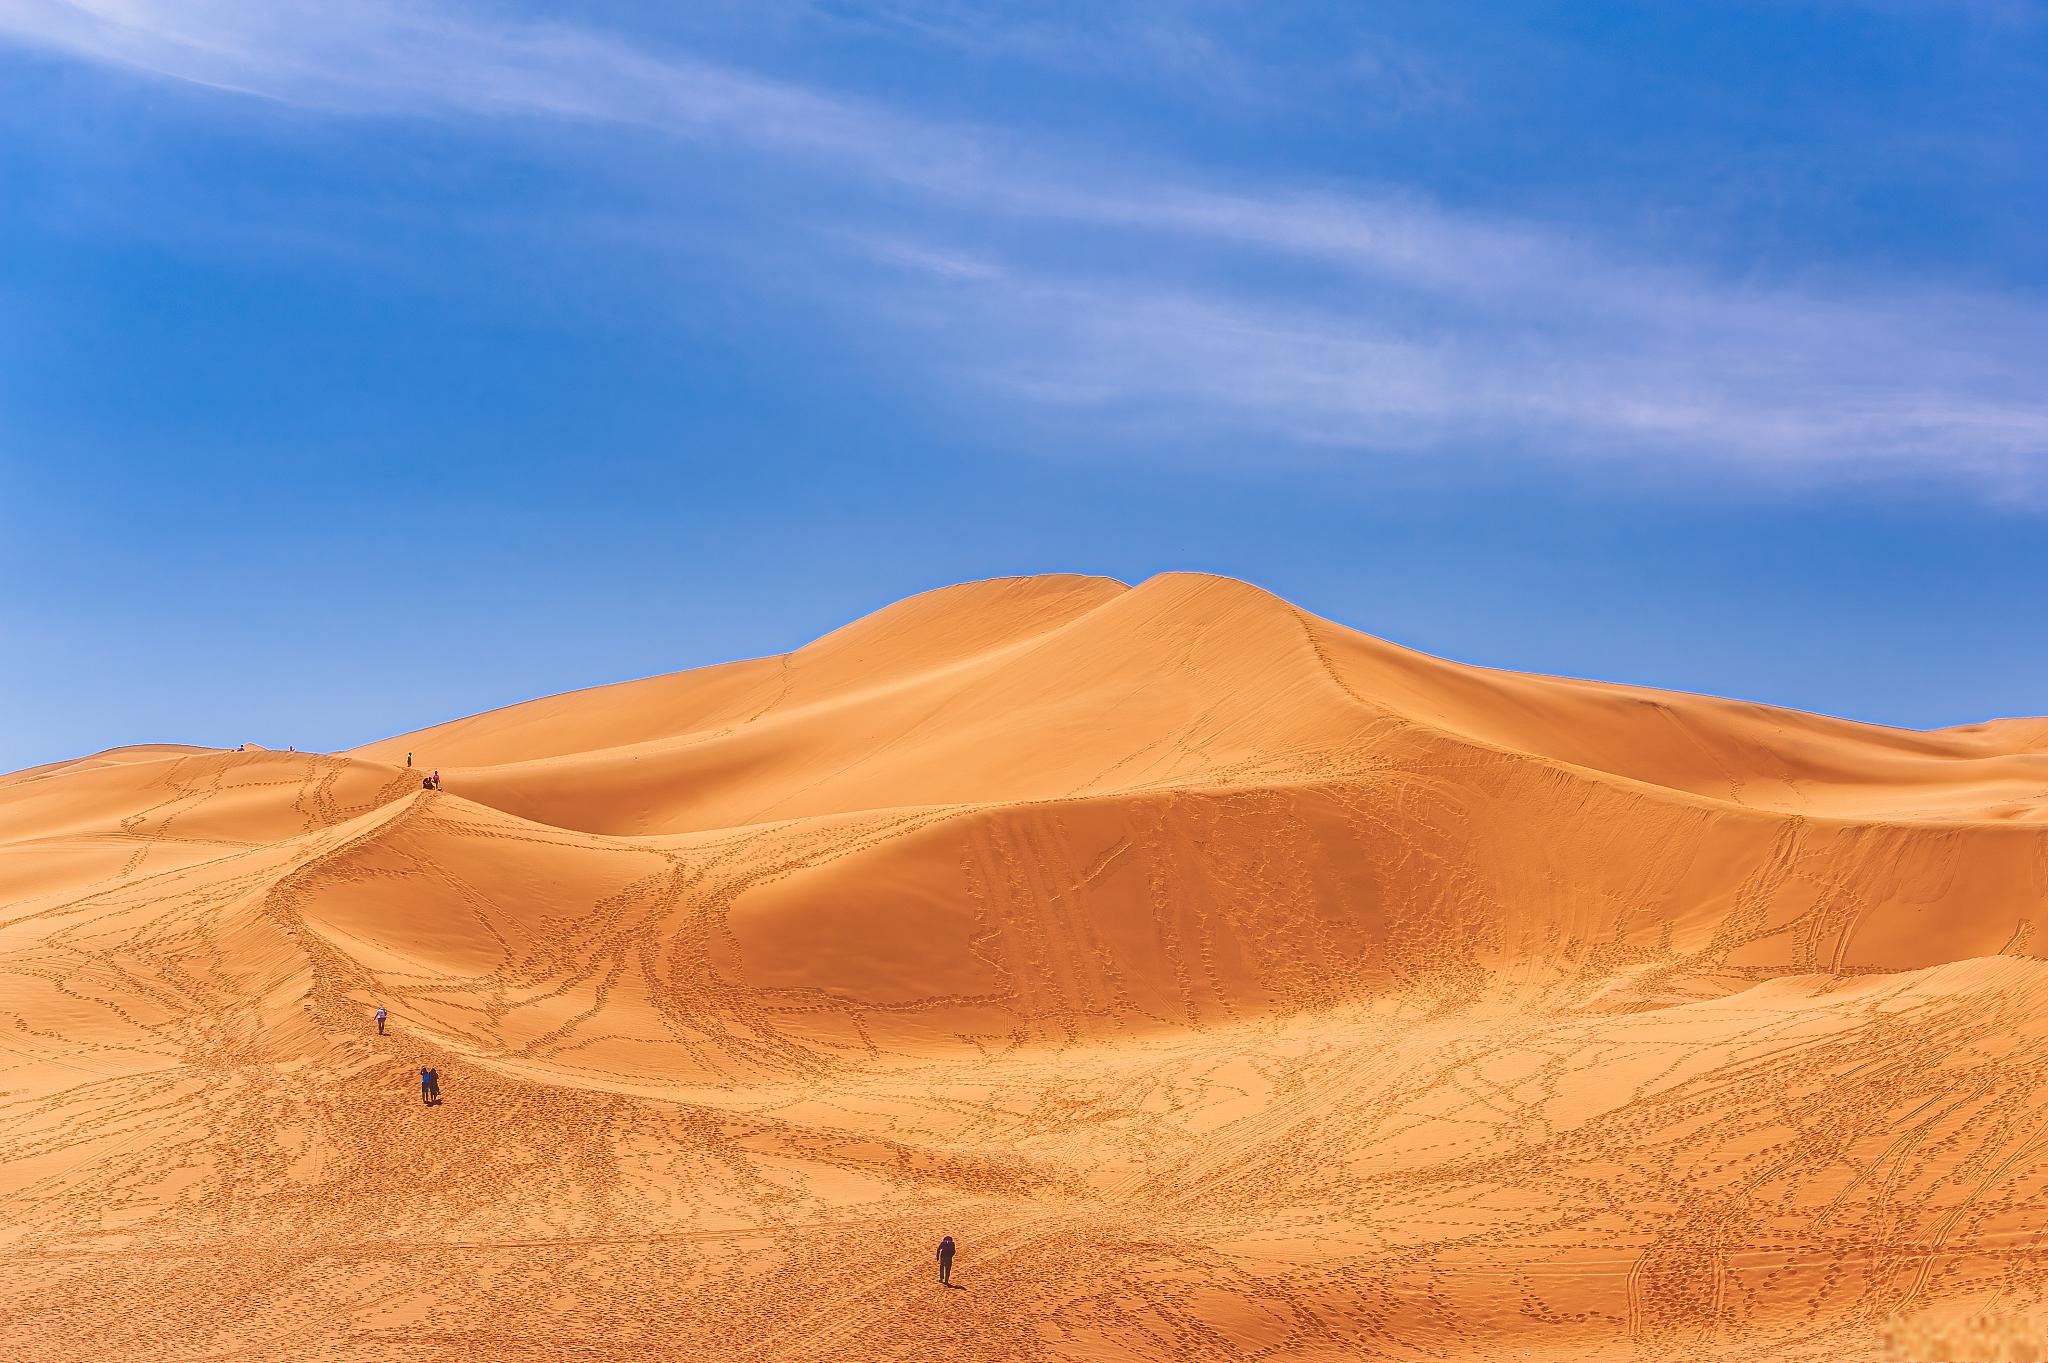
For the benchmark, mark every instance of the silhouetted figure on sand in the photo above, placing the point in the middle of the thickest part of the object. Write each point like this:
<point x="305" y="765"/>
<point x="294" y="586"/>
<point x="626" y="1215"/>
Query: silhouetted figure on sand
<point x="408" y="759"/>
<point x="426" y="1086"/>
<point x="946" y="1261"/>
<point x="434" y="1085"/>
<point x="380" y="1022"/>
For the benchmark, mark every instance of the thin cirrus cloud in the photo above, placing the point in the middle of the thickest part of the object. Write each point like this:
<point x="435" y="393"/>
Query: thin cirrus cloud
<point x="1400" y="327"/>
<point x="1769" y="385"/>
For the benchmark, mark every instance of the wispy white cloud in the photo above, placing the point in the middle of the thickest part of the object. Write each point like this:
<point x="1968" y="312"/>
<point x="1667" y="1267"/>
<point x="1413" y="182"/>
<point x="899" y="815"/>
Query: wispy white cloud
<point x="1193" y="47"/>
<point x="1765" y="384"/>
<point x="1409" y="327"/>
<point x="384" y="59"/>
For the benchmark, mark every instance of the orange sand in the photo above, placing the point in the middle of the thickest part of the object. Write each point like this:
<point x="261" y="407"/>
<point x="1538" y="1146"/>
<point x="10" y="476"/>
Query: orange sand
<point x="1230" y="984"/>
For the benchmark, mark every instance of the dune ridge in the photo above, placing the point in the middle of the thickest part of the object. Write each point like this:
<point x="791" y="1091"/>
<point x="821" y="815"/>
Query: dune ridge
<point x="1231" y="983"/>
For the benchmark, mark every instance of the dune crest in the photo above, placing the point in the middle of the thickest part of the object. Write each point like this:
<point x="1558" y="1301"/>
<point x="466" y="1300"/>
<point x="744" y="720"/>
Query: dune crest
<point x="1230" y="983"/>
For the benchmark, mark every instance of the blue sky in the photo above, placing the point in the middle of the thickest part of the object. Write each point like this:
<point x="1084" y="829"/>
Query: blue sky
<point x="364" y="366"/>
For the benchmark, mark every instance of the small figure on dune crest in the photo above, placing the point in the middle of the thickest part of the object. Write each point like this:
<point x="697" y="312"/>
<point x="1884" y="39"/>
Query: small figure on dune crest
<point x="431" y="782"/>
<point x="380" y="1021"/>
<point x="408" y="759"/>
<point x="946" y="1261"/>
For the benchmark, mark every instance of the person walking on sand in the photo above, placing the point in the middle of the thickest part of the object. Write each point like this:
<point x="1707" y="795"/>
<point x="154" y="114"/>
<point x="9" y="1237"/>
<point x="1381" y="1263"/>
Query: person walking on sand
<point x="434" y="1085"/>
<point x="380" y="1021"/>
<point x="408" y="759"/>
<point x="426" y="1086"/>
<point x="946" y="1261"/>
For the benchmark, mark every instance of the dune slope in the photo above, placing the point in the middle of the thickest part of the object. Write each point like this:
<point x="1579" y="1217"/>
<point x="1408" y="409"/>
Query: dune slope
<point x="1229" y="983"/>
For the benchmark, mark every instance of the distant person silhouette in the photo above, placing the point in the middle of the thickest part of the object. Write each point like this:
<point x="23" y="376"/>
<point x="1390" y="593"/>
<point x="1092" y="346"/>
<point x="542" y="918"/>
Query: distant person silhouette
<point x="380" y="1022"/>
<point x="434" y="1085"/>
<point x="426" y="1085"/>
<point x="408" y="759"/>
<point x="946" y="1261"/>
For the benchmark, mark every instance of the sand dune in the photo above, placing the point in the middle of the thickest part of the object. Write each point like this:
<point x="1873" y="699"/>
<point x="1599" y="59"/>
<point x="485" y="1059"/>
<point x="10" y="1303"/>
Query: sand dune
<point x="1229" y="983"/>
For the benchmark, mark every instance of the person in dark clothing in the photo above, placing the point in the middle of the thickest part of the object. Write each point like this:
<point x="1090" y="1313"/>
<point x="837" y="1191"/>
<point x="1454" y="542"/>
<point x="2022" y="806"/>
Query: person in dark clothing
<point x="946" y="1261"/>
<point x="426" y="1085"/>
<point x="434" y="1085"/>
<point x="408" y="759"/>
<point x="380" y="1022"/>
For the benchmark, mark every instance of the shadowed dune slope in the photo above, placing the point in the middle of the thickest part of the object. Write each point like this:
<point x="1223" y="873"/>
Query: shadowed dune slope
<point x="1346" y="1002"/>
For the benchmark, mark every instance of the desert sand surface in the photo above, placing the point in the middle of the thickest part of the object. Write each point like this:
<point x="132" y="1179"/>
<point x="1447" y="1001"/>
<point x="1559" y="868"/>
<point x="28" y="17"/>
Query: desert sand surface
<point x="1229" y="983"/>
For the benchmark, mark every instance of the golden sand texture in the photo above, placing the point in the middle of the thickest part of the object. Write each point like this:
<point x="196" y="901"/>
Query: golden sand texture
<point x="1228" y="983"/>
